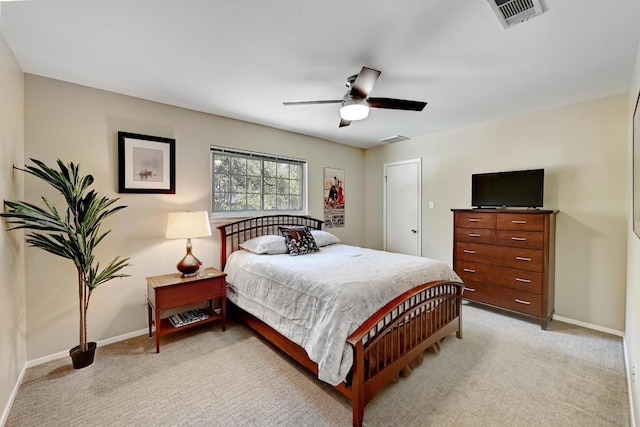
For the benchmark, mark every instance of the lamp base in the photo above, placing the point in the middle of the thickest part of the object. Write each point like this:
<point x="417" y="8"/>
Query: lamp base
<point x="189" y="265"/>
<point x="189" y="274"/>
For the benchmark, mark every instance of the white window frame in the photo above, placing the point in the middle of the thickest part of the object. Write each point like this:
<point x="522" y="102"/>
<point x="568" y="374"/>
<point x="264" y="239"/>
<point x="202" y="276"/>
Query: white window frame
<point x="261" y="156"/>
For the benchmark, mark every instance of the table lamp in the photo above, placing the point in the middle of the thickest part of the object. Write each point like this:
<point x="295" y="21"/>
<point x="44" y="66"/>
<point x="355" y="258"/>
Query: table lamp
<point x="188" y="225"/>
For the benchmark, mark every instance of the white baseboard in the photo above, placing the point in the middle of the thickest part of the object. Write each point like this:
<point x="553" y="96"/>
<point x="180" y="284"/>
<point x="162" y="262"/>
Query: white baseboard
<point x="12" y="398"/>
<point x="62" y="354"/>
<point x="589" y="326"/>
<point x="124" y="336"/>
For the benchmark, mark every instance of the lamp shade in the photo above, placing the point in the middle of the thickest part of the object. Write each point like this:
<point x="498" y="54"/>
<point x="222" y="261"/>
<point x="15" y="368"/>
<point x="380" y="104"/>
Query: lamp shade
<point x="188" y="225"/>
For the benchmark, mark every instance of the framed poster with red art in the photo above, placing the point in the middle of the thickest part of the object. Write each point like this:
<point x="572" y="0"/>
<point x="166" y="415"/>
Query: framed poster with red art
<point x="334" y="197"/>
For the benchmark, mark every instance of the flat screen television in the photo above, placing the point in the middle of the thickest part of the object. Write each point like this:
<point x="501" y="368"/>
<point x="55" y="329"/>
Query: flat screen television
<point x="523" y="188"/>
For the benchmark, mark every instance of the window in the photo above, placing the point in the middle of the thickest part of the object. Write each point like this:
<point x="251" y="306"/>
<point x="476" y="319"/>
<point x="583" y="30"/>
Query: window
<point x="244" y="181"/>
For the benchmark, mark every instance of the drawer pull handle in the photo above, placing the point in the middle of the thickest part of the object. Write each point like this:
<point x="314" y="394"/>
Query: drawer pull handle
<point x="469" y="289"/>
<point x="468" y="270"/>
<point x="474" y="235"/>
<point x="519" y="239"/>
<point x="518" y="279"/>
<point x="519" y="221"/>
<point x="520" y="258"/>
<point x="474" y="220"/>
<point x="522" y="302"/>
<point x="467" y="251"/>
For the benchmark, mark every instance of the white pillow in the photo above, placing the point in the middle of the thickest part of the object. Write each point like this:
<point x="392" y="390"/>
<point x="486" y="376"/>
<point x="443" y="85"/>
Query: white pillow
<point x="324" y="238"/>
<point x="268" y="244"/>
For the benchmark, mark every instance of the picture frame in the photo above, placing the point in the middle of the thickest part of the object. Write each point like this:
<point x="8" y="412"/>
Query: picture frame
<point x="334" y="197"/>
<point x="635" y="159"/>
<point x="146" y="164"/>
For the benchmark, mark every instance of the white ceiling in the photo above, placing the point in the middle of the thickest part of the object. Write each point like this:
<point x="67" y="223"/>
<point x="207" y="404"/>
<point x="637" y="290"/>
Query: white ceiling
<point x="243" y="58"/>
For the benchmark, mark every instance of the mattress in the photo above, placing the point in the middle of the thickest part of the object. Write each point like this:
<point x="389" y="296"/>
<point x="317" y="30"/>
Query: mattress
<point x="317" y="300"/>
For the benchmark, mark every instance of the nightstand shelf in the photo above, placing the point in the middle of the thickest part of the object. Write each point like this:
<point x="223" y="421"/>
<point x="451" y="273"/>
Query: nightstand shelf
<point x="166" y="327"/>
<point x="171" y="291"/>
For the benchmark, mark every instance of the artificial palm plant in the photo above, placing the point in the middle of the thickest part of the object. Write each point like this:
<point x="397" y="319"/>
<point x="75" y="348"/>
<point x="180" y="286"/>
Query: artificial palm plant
<point x="73" y="233"/>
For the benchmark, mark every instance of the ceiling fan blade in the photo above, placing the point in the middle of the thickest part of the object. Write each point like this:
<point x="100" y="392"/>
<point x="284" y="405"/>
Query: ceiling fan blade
<point x="396" y="104"/>
<point x="328" y="101"/>
<point x="364" y="82"/>
<point x="344" y="123"/>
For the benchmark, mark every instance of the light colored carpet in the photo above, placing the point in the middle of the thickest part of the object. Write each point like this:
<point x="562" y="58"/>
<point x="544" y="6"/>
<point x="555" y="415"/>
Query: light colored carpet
<point x="505" y="372"/>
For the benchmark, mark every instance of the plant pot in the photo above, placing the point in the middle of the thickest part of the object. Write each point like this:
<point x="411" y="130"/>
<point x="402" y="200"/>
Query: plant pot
<point x="82" y="359"/>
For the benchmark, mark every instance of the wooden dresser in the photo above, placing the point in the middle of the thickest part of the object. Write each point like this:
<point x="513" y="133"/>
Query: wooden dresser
<point x="506" y="259"/>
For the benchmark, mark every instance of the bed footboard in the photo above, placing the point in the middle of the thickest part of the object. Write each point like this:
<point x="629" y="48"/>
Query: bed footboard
<point x="398" y="333"/>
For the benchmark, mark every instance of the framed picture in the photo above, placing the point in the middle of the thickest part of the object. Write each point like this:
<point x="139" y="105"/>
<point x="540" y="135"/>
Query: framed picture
<point x="334" y="198"/>
<point x="636" y="169"/>
<point x="146" y="164"/>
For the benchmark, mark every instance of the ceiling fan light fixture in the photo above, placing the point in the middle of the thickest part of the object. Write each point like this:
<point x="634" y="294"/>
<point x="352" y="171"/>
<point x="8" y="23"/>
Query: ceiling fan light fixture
<point x="355" y="104"/>
<point x="353" y="111"/>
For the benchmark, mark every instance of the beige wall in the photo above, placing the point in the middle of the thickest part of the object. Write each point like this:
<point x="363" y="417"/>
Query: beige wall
<point x="12" y="282"/>
<point x="80" y="124"/>
<point x="632" y="320"/>
<point x="583" y="149"/>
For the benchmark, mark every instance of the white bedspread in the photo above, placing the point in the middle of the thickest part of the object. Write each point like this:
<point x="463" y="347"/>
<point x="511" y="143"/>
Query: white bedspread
<point x="317" y="300"/>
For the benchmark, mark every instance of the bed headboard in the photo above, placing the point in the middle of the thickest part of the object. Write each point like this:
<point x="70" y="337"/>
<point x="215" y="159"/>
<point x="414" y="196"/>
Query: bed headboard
<point x="234" y="233"/>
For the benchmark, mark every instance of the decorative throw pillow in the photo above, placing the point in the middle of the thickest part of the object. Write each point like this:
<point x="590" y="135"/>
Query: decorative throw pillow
<point x="299" y="240"/>
<point x="268" y="244"/>
<point x="324" y="238"/>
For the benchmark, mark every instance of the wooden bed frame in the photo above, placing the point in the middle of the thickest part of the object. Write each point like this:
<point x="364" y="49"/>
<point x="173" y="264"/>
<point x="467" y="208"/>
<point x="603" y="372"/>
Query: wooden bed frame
<point x="385" y="343"/>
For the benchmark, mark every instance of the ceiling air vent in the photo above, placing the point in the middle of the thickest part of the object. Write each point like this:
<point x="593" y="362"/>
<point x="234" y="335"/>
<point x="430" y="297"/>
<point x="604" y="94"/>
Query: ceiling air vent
<point x="512" y="12"/>
<point x="394" y="138"/>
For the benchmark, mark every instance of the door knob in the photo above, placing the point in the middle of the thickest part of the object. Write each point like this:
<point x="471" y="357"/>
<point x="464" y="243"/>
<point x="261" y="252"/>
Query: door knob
<point x="414" y="231"/>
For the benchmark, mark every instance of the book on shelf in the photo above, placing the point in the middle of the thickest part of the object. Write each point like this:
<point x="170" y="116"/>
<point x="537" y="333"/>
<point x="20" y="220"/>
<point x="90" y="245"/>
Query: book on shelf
<point x="188" y="317"/>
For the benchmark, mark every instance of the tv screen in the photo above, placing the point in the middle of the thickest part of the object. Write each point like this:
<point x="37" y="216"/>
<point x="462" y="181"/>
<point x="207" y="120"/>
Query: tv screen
<point x="508" y="189"/>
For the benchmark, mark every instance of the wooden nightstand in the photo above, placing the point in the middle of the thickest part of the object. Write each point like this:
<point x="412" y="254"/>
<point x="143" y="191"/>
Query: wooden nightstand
<point x="172" y="291"/>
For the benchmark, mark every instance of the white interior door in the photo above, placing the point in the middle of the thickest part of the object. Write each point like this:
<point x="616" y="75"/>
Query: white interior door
<point x="402" y="207"/>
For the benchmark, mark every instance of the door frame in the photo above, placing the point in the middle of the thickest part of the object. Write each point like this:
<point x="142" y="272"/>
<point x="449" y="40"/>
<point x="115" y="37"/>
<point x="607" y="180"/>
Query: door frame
<point x="419" y="201"/>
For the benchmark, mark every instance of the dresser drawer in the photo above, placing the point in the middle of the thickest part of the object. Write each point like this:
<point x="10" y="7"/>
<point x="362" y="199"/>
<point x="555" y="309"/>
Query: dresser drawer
<point x="520" y="239"/>
<point x="472" y="252"/>
<point x="523" y="280"/>
<point x="475" y="220"/>
<point x="476" y="235"/>
<point x="523" y="302"/>
<point x="520" y="258"/>
<point x="524" y="222"/>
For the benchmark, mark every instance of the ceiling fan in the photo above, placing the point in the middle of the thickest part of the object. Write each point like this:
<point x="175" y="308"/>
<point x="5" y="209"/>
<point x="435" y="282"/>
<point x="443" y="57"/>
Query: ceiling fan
<point x="356" y="102"/>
